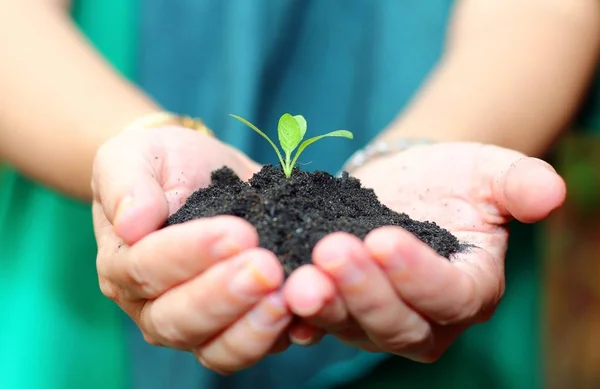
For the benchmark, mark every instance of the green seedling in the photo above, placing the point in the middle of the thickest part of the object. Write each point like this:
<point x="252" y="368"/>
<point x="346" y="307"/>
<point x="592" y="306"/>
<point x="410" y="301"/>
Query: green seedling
<point x="291" y="131"/>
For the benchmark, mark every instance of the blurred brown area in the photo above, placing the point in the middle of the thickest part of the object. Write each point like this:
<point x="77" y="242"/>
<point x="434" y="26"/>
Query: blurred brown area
<point x="571" y="288"/>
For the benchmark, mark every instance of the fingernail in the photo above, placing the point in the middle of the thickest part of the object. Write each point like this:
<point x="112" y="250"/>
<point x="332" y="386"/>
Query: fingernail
<point x="342" y="269"/>
<point x="276" y="304"/>
<point x="125" y="204"/>
<point x="302" y="342"/>
<point x="302" y="336"/>
<point x="270" y="312"/>
<point x="225" y="248"/>
<point x="251" y="280"/>
<point x="309" y="304"/>
<point x="389" y="260"/>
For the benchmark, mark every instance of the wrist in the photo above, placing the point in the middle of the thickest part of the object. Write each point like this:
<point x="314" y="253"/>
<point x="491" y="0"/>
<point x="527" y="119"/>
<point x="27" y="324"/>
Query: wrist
<point x="382" y="148"/>
<point x="166" y="118"/>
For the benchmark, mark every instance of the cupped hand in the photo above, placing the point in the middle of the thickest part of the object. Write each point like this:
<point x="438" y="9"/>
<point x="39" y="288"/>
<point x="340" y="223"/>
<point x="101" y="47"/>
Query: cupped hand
<point x="391" y="292"/>
<point x="203" y="286"/>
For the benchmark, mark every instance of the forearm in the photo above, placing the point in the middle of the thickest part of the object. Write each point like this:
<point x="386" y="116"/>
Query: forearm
<point x="59" y="100"/>
<point x="513" y="74"/>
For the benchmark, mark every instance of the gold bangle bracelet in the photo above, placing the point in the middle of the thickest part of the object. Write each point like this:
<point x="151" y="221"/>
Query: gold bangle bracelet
<point x="158" y="119"/>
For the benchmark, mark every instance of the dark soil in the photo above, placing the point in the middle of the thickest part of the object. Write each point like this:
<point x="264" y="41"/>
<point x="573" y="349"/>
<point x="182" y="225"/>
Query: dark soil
<point x="292" y="214"/>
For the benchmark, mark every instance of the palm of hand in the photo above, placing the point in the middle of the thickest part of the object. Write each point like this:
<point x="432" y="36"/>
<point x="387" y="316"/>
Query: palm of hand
<point x="160" y="276"/>
<point x="454" y="185"/>
<point x="392" y="293"/>
<point x="185" y="164"/>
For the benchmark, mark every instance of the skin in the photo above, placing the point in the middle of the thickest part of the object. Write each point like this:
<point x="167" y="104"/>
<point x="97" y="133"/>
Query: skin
<point x="48" y="110"/>
<point x="460" y="103"/>
<point x="137" y="180"/>
<point x="160" y="278"/>
<point x="393" y="293"/>
<point x="503" y="78"/>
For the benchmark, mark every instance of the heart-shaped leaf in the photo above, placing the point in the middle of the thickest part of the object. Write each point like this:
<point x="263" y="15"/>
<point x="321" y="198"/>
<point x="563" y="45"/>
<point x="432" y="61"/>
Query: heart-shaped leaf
<point x="289" y="133"/>
<point x="302" y="123"/>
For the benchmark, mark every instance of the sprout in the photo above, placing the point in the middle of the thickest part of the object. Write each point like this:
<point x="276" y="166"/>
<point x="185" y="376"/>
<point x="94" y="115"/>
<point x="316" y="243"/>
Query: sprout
<point x="291" y="131"/>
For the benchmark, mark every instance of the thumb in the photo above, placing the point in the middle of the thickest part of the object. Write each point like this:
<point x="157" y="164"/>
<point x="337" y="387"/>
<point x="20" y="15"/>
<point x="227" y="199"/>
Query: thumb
<point x="125" y="183"/>
<point x="529" y="190"/>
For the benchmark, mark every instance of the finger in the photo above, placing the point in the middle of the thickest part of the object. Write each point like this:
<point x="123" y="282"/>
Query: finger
<point x="126" y="183"/>
<point x="178" y="253"/>
<point x="305" y="301"/>
<point x="196" y="310"/>
<point x="529" y="190"/>
<point x="249" y="339"/>
<point x="369" y="297"/>
<point x="320" y="304"/>
<point x="281" y="344"/>
<point x="445" y="292"/>
<point x="305" y="334"/>
<point x="329" y="314"/>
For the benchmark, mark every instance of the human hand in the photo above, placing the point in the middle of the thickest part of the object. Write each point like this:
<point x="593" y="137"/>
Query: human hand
<point x="202" y="286"/>
<point x="391" y="292"/>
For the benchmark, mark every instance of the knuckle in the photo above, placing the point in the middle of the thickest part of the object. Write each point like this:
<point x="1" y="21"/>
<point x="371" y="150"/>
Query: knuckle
<point x="151" y="340"/>
<point x="467" y="306"/>
<point x="487" y="311"/>
<point x="166" y="329"/>
<point x="136" y="276"/>
<point x="210" y="314"/>
<point x="469" y="300"/>
<point x="240" y="354"/>
<point x="488" y="308"/>
<point x="109" y="290"/>
<point x="207" y="363"/>
<point x="498" y="292"/>
<point x="369" y="305"/>
<point x="481" y="309"/>
<point x="419" y="336"/>
<point x="213" y="365"/>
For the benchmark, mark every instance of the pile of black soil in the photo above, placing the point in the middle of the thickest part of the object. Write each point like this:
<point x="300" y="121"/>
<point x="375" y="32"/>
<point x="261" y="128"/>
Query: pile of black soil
<point x="292" y="214"/>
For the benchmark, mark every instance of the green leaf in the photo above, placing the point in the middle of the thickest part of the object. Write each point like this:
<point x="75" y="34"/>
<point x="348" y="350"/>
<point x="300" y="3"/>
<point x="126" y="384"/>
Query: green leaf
<point x="252" y="126"/>
<point x="302" y="123"/>
<point x="289" y="133"/>
<point x="308" y="142"/>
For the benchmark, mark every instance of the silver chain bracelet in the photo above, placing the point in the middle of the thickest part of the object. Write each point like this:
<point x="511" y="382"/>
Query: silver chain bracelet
<point x="380" y="149"/>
